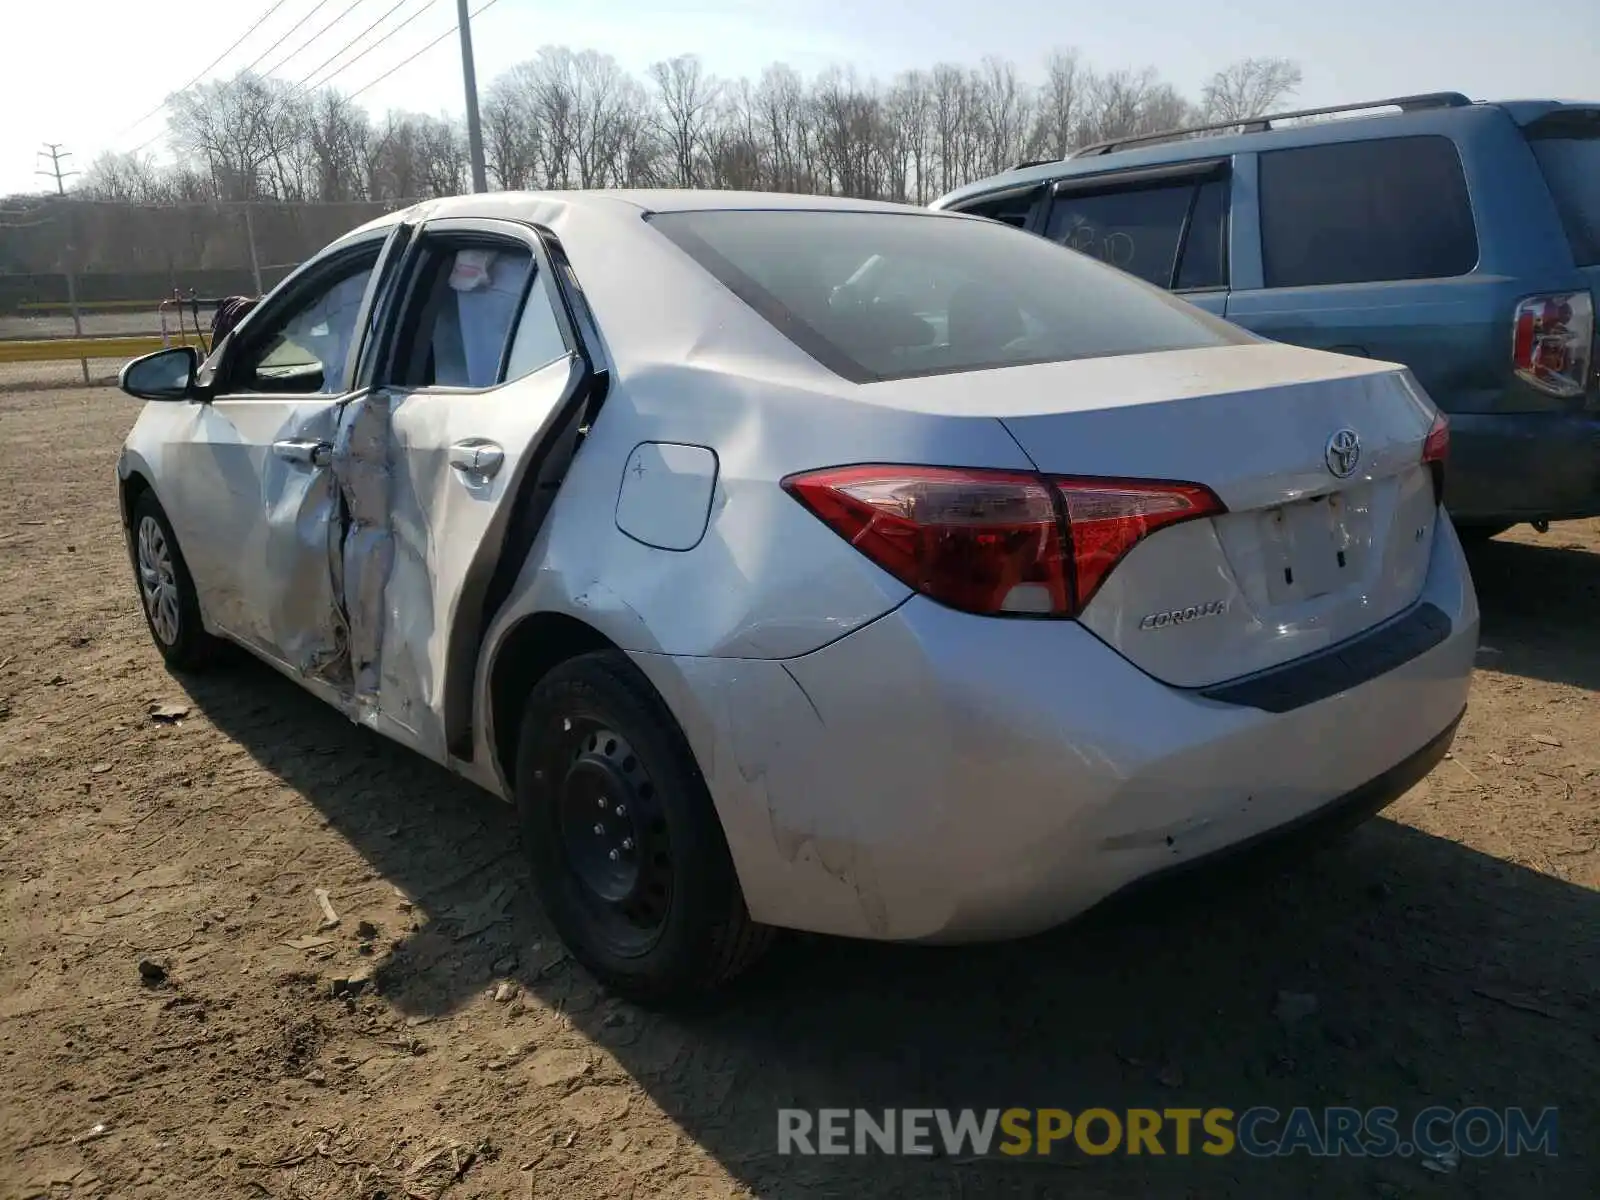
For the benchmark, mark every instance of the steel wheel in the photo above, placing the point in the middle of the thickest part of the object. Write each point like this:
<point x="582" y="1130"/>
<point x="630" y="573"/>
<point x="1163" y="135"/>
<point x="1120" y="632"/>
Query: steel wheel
<point x="628" y="854"/>
<point x="614" y="835"/>
<point x="158" y="583"/>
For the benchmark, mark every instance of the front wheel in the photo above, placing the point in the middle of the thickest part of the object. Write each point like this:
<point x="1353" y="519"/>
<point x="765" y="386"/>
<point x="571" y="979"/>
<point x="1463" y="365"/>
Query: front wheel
<point x="166" y="590"/>
<point x="627" y="852"/>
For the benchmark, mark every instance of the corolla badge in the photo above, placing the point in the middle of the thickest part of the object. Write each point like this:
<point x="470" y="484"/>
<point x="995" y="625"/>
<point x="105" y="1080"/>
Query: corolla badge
<point x="1342" y="453"/>
<point x="1182" y="616"/>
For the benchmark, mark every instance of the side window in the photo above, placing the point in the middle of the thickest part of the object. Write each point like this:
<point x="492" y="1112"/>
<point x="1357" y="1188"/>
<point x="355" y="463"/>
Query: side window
<point x="1205" y="250"/>
<point x="303" y="350"/>
<point x="1010" y="209"/>
<point x="1142" y="230"/>
<point x="1365" y="212"/>
<point x="537" y="340"/>
<point x="467" y="298"/>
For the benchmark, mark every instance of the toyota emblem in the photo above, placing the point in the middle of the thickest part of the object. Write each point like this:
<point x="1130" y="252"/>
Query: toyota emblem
<point x="1342" y="453"/>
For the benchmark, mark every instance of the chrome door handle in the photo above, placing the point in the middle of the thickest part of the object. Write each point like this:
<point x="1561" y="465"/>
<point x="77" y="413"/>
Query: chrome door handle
<point x="306" y="451"/>
<point x="479" y="459"/>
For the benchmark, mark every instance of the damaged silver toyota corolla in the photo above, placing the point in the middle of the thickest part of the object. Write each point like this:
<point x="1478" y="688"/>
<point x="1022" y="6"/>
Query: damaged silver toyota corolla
<point x="809" y="563"/>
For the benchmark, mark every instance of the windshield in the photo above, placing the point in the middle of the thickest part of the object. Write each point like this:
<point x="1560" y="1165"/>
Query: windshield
<point x="876" y="296"/>
<point x="1567" y="146"/>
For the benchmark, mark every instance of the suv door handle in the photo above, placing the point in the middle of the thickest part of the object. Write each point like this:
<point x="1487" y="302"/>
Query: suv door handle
<point x="477" y="458"/>
<point x="308" y="452"/>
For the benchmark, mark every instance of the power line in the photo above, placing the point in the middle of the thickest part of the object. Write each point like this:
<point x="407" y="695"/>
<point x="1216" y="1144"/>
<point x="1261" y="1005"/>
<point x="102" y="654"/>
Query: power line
<point x="413" y="57"/>
<point x="404" y="62"/>
<point x="327" y="79"/>
<point x="315" y="8"/>
<point x="302" y="47"/>
<point x="387" y="13"/>
<point x="203" y="72"/>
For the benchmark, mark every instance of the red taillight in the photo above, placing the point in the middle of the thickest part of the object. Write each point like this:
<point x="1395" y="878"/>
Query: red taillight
<point x="995" y="541"/>
<point x="1551" y="342"/>
<point x="1106" y="518"/>
<point x="1436" y="452"/>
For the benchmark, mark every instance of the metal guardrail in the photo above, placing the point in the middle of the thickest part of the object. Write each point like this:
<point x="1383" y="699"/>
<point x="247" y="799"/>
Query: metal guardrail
<point x="64" y="306"/>
<point x="19" y="350"/>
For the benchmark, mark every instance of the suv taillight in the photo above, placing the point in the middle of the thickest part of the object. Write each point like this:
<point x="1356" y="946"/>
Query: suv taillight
<point x="1552" y="340"/>
<point x="996" y="542"/>
<point x="1436" y="452"/>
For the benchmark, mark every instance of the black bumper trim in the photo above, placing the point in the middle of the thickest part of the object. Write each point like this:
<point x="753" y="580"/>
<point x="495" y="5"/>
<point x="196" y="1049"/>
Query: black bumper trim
<point x="1313" y="829"/>
<point x="1338" y="668"/>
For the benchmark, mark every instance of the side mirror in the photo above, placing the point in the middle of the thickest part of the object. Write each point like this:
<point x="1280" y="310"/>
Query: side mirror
<point x="165" y="375"/>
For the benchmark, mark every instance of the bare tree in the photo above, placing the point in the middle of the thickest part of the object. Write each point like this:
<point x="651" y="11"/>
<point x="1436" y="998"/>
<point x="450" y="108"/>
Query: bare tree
<point x="687" y="100"/>
<point x="569" y="118"/>
<point x="1250" y="87"/>
<point x="124" y="178"/>
<point x="1058" y="111"/>
<point x="230" y="125"/>
<point x="781" y="106"/>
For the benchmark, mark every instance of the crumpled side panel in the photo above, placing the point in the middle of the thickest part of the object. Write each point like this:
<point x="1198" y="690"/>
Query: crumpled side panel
<point x="362" y="467"/>
<point x="299" y="584"/>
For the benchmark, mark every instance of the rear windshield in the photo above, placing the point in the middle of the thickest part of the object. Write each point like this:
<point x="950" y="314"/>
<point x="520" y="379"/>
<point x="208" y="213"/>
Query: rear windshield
<point x="879" y="296"/>
<point x="1567" y="146"/>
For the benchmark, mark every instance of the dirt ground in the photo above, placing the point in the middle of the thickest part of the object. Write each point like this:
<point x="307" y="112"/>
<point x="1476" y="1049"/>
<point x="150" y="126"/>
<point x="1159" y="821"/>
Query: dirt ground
<point x="435" y="1043"/>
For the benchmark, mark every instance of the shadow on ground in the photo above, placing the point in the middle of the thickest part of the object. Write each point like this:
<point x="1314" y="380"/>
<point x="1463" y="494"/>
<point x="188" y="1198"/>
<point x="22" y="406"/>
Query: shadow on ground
<point x="1541" y="609"/>
<point x="1441" y="976"/>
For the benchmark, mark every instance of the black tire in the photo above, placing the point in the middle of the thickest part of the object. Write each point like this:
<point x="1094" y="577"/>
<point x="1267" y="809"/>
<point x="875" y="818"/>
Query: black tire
<point x="663" y="920"/>
<point x="189" y="647"/>
<point x="1476" y="535"/>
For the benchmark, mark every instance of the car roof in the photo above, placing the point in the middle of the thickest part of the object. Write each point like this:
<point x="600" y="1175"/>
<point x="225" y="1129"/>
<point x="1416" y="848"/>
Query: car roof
<point x="1363" y="125"/>
<point x="619" y="203"/>
<point x="655" y="308"/>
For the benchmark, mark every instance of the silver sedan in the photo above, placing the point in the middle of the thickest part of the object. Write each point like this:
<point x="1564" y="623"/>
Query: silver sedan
<point x="809" y="563"/>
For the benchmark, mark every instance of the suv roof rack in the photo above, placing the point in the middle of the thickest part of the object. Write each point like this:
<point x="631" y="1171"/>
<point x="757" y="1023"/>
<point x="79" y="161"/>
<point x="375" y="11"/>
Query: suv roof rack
<point x="1263" y="123"/>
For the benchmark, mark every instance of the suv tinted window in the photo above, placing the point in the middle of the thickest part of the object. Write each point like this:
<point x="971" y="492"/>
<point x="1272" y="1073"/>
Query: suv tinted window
<point x="1567" y="146"/>
<point x="1365" y="212"/>
<point x="1139" y="230"/>
<point x="885" y="295"/>
<point x="1205" y="252"/>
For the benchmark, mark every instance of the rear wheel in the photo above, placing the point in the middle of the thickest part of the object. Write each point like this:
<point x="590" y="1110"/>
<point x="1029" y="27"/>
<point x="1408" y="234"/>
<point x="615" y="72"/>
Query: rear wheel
<point x="627" y="851"/>
<point x="166" y="590"/>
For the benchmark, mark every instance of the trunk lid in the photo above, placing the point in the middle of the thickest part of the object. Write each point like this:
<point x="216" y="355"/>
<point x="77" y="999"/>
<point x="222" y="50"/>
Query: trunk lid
<point x="1318" y="457"/>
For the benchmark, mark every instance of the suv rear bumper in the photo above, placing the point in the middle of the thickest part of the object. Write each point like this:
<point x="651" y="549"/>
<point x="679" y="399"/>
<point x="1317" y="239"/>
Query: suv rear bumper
<point x="1523" y="467"/>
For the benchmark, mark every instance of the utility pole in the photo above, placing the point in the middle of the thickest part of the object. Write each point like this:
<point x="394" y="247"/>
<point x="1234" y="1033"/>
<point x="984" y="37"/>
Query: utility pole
<point x="54" y="152"/>
<point x="480" y="177"/>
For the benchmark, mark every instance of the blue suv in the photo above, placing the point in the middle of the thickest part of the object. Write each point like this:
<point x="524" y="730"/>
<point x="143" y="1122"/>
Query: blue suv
<point x="1459" y="238"/>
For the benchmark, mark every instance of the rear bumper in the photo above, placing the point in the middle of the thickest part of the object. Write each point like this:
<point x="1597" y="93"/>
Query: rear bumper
<point x="942" y="777"/>
<point x="1314" y="828"/>
<point x="1523" y="466"/>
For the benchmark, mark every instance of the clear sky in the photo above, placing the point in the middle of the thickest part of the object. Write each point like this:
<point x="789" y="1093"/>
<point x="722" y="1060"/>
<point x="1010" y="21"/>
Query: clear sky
<point x="79" y="72"/>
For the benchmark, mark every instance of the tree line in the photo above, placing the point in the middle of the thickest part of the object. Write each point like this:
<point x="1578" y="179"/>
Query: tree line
<point x="576" y="119"/>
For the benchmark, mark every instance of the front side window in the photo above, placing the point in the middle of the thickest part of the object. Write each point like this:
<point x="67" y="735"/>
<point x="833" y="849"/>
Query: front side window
<point x="1365" y="212"/>
<point x="303" y="350"/>
<point x="884" y="295"/>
